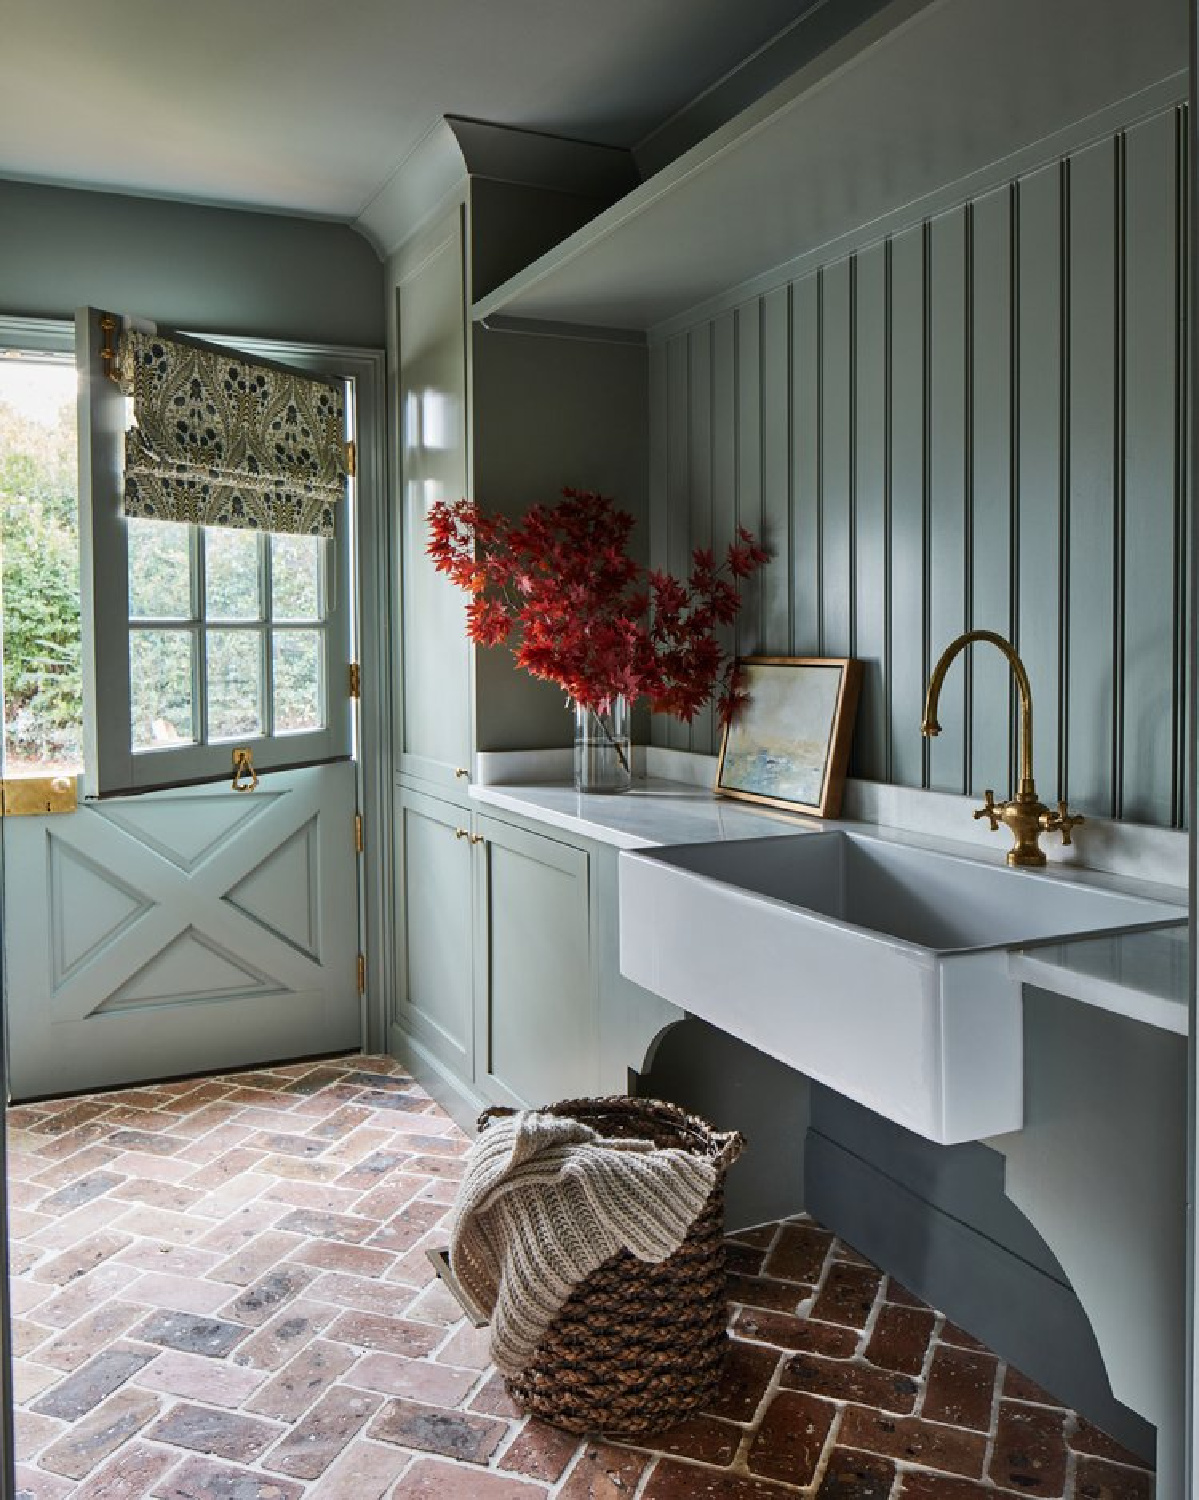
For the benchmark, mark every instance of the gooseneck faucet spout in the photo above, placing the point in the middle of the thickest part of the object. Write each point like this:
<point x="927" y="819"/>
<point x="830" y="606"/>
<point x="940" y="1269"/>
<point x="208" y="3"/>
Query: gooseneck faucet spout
<point x="1024" y="815"/>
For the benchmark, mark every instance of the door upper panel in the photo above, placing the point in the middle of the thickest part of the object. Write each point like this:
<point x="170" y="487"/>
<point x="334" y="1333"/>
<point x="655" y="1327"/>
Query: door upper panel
<point x="200" y="641"/>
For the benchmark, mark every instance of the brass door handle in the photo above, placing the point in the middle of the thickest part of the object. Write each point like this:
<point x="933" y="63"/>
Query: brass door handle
<point x="245" y="777"/>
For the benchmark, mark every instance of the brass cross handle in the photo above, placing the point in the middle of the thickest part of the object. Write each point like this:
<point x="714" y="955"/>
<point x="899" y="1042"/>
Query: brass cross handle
<point x="989" y="810"/>
<point x="245" y="777"/>
<point x="1063" y="821"/>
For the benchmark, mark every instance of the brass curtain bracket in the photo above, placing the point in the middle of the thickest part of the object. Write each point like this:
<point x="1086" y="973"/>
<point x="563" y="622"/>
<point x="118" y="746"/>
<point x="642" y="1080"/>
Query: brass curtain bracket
<point x="245" y="777"/>
<point x="37" y="796"/>
<point x="355" y="680"/>
<point x="108" y="349"/>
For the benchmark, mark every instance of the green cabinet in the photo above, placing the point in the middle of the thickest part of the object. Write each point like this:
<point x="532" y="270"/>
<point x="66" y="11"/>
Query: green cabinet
<point x="534" y="978"/>
<point x="434" y="930"/>
<point x="434" y="730"/>
<point x="494" y="936"/>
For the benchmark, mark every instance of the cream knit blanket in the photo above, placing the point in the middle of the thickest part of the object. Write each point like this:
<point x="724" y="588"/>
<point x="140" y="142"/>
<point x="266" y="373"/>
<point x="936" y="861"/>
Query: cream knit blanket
<point x="544" y="1201"/>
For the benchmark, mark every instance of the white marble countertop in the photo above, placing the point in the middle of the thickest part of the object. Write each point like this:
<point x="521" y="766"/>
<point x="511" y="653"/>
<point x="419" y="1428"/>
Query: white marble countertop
<point x="654" y="813"/>
<point x="1143" y="974"/>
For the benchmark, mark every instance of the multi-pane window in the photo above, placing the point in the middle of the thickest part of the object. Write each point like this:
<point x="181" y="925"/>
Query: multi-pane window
<point x="228" y="635"/>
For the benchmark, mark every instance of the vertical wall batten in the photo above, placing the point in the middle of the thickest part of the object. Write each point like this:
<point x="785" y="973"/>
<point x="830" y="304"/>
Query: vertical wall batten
<point x="724" y="454"/>
<point x="888" y="663"/>
<point x="1119" y="469"/>
<point x="989" y="483"/>
<point x="1090" y="616"/>
<point x="659" y="422"/>
<point x="1182" y="461"/>
<point x="749" y="467"/>
<point x="805" y="458"/>
<point x="967" y="481"/>
<point x="835" y="490"/>
<point x="908" y="558"/>
<point x="678" y="456"/>
<point x="1147" y="497"/>
<point x="1040" y="478"/>
<point x="699" y="432"/>
<point x="1013" y="407"/>
<point x="979" y="421"/>
<point x="869" y="546"/>
<point x="776" y="469"/>
<point x="946" y="465"/>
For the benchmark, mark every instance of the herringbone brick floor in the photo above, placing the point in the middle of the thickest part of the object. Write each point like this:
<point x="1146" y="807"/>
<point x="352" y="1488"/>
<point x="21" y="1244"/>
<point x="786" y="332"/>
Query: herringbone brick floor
<point x="221" y="1293"/>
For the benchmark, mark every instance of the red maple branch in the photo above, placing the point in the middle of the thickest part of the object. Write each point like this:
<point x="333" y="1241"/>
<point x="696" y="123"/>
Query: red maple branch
<point x="584" y="613"/>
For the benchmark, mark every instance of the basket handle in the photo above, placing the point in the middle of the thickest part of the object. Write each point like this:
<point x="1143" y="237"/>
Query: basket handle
<point x="732" y="1144"/>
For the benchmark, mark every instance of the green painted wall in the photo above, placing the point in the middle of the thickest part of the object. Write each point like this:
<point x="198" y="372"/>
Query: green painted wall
<point x="979" y="421"/>
<point x="208" y="270"/>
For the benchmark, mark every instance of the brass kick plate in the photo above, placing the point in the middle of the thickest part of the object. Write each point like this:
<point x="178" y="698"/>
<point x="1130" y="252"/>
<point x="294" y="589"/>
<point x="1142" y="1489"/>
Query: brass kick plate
<point x="37" y="796"/>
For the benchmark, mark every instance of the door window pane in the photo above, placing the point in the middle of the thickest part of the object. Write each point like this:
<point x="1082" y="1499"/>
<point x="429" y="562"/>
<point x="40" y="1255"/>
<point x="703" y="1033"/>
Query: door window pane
<point x="39" y="551"/>
<point x="298" y="668"/>
<point x="296" y="577"/>
<point x="160" y="688"/>
<point x="160" y="570"/>
<point x="232" y="575"/>
<point x="234" y="677"/>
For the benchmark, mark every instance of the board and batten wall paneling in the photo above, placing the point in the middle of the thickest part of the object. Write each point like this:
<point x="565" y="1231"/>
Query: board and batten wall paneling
<point x="977" y="422"/>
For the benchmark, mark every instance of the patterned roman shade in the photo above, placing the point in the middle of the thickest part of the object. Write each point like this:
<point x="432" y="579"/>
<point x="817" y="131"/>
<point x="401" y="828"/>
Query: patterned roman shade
<point x="221" y="440"/>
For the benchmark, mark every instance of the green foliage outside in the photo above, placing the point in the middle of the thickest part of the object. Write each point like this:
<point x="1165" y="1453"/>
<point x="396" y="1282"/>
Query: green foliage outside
<point x="39" y="575"/>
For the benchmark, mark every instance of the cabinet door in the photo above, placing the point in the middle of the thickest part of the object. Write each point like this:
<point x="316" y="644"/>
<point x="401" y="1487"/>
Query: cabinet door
<point x="435" y="714"/>
<point x="435" y="927"/>
<point x="534" y="990"/>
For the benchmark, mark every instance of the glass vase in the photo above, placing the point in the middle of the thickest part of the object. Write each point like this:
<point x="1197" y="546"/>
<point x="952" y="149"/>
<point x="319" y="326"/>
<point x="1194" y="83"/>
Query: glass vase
<point x="603" y="751"/>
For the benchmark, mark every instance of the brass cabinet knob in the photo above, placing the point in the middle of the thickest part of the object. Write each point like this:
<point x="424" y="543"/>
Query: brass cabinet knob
<point x="461" y="833"/>
<point x="461" y="773"/>
<point x="478" y="838"/>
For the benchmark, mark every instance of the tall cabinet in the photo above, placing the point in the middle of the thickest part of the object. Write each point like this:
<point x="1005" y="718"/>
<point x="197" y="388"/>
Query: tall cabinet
<point x="496" y="986"/>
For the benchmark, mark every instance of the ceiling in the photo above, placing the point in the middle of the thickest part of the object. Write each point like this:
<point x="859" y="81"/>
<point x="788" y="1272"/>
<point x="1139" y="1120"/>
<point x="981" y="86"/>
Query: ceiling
<point x="308" y="107"/>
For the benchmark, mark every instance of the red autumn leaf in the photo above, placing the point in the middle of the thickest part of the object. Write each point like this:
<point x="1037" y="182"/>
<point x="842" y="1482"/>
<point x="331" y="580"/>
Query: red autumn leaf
<point x="559" y="585"/>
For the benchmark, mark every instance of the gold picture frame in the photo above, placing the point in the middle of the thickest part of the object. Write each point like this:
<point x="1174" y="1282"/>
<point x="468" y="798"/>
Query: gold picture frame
<point x="789" y="744"/>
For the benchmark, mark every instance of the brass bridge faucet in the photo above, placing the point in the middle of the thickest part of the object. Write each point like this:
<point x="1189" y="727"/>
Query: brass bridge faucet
<point x="1027" y="817"/>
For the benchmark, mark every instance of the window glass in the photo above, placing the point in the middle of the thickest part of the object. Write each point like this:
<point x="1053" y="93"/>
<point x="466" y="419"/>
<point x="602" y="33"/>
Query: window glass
<point x="296" y="577"/>
<point x="160" y="570"/>
<point x="39" y="567"/>
<point x="233" y="672"/>
<point x="160" y="682"/>
<point x="298" y="674"/>
<point x="232" y="569"/>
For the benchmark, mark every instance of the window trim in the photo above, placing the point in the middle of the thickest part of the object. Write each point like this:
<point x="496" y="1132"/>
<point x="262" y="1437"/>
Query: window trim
<point x="113" y="767"/>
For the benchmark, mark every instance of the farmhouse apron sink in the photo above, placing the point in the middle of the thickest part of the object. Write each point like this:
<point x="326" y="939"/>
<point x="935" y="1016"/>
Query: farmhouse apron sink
<point x="879" y="968"/>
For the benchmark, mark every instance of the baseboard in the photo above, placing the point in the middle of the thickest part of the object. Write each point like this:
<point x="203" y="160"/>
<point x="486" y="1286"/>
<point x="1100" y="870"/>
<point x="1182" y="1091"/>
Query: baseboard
<point x="1026" y="1316"/>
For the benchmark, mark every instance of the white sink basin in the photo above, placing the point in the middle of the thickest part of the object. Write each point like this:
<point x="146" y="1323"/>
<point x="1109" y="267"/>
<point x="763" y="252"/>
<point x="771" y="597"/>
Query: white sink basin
<point x="878" y="968"/>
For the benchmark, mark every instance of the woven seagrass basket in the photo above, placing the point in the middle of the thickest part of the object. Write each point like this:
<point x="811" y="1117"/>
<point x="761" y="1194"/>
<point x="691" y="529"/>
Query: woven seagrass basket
<point x="638" y="1347"/>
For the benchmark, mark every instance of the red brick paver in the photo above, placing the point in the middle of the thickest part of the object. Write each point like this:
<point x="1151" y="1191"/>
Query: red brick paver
<point x="221" y="1293"/>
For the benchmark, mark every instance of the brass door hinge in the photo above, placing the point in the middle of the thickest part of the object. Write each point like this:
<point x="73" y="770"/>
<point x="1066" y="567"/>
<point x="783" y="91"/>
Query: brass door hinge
<point x="355" y="680"/>
<point x="362" y="973"/>
<point x="351" y="458"/>
<point x="357" y="833"/>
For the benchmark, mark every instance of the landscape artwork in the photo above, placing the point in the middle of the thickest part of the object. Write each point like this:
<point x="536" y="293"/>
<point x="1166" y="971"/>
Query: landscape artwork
<point x="789" y="743"/>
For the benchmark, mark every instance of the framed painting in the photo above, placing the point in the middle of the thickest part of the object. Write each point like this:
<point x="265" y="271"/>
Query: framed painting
<point x="789" y="744"/>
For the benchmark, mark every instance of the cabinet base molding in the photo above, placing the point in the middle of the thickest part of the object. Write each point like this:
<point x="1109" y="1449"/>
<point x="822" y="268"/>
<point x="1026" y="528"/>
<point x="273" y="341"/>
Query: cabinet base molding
<point x="461" y="1103"/>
